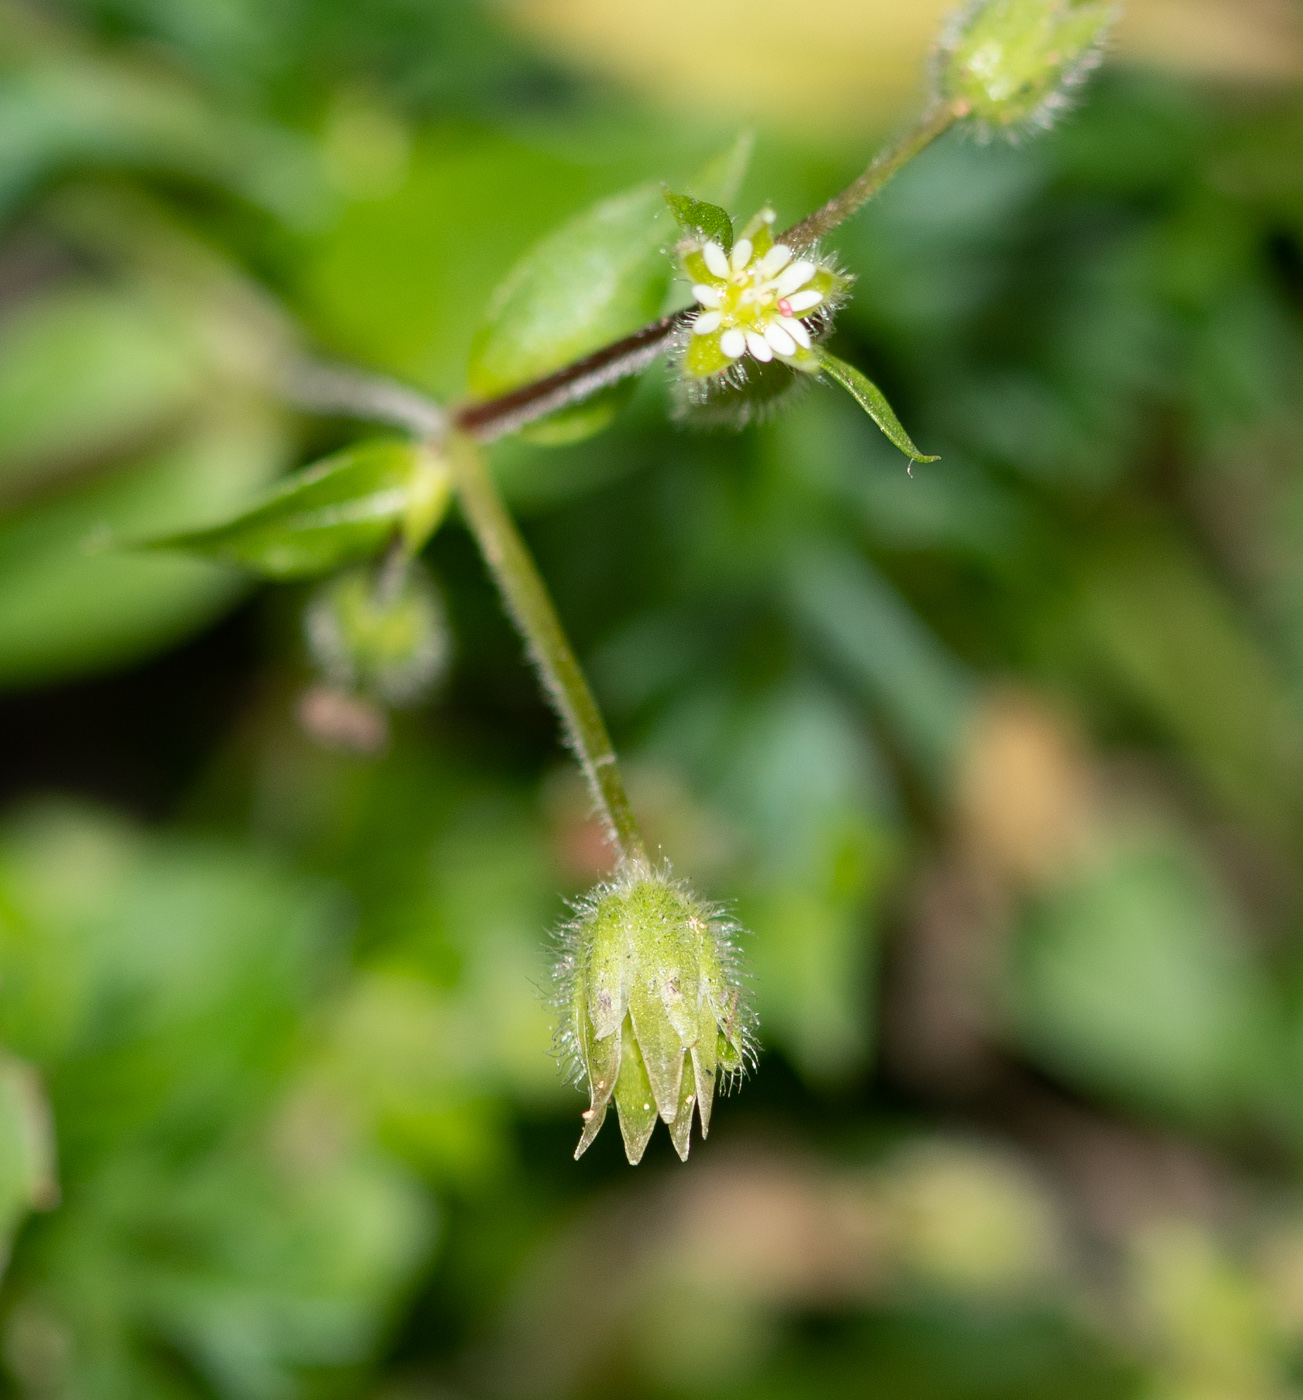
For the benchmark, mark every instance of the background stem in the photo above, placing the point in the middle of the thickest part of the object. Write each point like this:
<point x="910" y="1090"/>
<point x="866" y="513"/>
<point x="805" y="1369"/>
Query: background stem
<point x="531" y="608"/>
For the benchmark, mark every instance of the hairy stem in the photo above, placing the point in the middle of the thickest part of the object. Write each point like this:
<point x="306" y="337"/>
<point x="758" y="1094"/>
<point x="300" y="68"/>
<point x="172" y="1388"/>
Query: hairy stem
<point x="531" y="608"/>
<point x="331" y="389"/>
<point x="578" y="381"/>
<point x="840" y="207"/>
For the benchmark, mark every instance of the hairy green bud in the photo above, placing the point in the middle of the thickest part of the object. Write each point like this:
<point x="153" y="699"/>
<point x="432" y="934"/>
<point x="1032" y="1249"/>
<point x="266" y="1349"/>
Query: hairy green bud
<point x="379" y="633"/>
<point x="1011" y="64"/>
<point x="653" y="1008"/>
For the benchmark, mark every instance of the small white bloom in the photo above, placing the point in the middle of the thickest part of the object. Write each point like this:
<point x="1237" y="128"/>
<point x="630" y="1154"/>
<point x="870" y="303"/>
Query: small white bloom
<point x="796" y="330"/>
<point x="753" y="298"/>
<point x="802" y="301"/>
<point x="716" y="259"/>
<point x="794" y="277"/>
<point x="779" y="341"/>
<point x="733" y="343"/>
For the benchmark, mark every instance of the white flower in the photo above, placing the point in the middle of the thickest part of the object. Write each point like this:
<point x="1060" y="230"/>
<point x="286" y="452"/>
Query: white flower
<point x="754" y="300"/>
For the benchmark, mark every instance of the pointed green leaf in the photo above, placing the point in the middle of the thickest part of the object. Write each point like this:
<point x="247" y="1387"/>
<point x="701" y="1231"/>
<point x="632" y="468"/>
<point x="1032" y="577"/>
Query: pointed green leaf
<point x="874" y="402"/>
<point x="597" y="278"/>
<point x="702" y="220"/>
<point x="348" y="507"/>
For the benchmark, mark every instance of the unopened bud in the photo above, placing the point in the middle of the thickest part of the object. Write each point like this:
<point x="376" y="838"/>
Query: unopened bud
<point x="653" y="1007"/>
<point x="379" y="635"/>
<point x="1010" y="64"/>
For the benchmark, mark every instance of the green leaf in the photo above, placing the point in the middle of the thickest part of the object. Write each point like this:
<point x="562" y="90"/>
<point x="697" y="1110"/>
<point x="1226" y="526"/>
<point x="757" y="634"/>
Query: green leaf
<point x="599" y="277"/>
<point x="706" y="221"/>
<point x="348" y="507"/>
<point x="26" y="1150"/>
<point x="86" y="372"/>
<point x="874" y="402"/>
<point x="66" y="610"/>
<point x="1133" y="979"/>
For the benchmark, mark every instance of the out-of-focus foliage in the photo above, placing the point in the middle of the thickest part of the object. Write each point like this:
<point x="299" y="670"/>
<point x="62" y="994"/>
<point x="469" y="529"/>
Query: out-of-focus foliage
<point x="1001" y="760"/>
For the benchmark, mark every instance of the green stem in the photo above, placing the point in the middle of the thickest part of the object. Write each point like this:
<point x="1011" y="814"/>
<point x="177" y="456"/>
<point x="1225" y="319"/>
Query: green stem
<point x="527" y="599"/>
<point x="838" y="209"/>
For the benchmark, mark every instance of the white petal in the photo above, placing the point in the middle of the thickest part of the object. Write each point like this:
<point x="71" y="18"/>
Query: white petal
<point x="795" y="277"/>
<point x="804" y="301"/>
<point x="708" y="321"/>
<point x="742" y="251"/>
<point x="716" y="259"/>
<point x="776" y="259"/>
<point x="733" y="343"/>
<point x="779" y="341"/>
<point x="707" y="296"/>
<point x="759" y="347"/>
<point x="796" y="330"/>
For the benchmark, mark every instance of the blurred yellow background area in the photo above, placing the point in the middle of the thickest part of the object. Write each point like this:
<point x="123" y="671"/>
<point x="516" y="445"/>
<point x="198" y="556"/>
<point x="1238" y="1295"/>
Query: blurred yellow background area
<point x="823" y="65"/>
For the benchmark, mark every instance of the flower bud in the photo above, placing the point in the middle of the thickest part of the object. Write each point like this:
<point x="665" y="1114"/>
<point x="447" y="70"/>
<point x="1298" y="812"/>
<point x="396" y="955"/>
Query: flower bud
<point x="1012" y="63"/>
<point x="377" y="634"/>
<point x="653" y="1007"/>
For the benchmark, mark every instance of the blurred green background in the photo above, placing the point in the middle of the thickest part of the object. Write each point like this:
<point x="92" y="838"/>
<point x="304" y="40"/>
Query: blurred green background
<point x="1001" y="762"/>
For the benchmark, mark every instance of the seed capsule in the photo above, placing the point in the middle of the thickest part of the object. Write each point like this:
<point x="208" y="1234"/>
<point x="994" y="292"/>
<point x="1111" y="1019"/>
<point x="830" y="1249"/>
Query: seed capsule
<point x="653" y="1007"/>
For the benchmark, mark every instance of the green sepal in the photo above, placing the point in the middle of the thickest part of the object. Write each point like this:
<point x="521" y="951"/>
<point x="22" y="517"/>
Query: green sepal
<point x="701" y="220"/>
<point x="694" y="266"/>
<point x="681" y="1125"/>
<point x="703" y="357"/>
<point x="759" y="228"/>
<point x="832" y="285"/>
<point x="601" y="1060"/>
<point x="873" y="401"/>
<point x="661" y="1046"/>
<point x="705" y="1058"/>
<point x="345" y="508"/>
<point x="728" y="1054"/>
<point x="634" y="1101"/>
